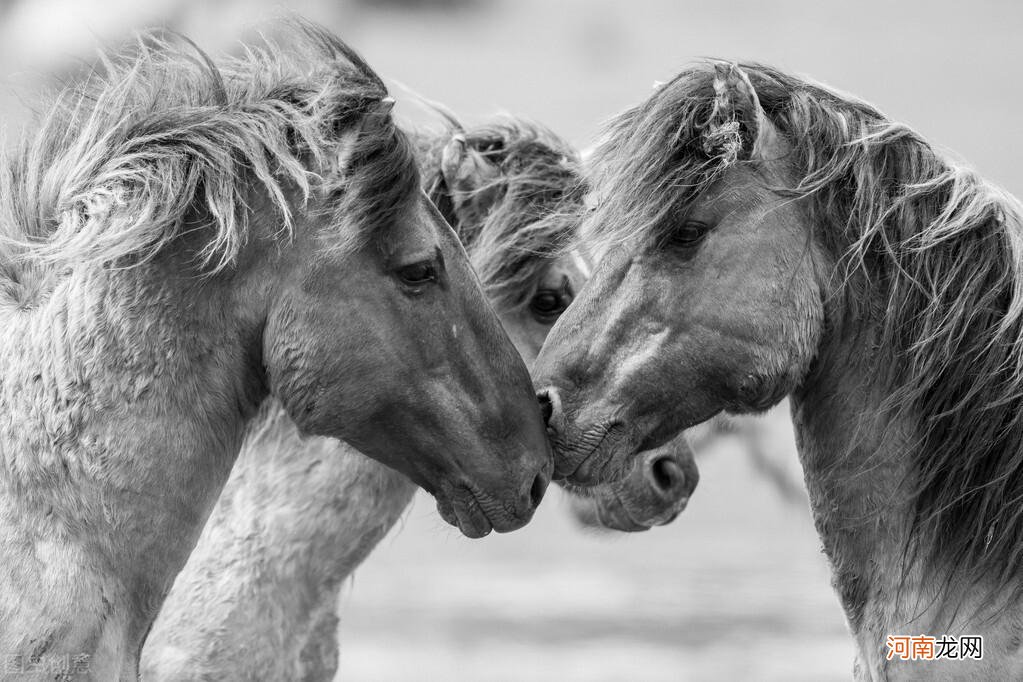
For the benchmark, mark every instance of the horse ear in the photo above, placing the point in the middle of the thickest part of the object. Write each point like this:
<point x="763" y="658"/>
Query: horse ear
<point x="374" y="118"/>
<point x="472" y="181"/>
<point x="737" y="125"/>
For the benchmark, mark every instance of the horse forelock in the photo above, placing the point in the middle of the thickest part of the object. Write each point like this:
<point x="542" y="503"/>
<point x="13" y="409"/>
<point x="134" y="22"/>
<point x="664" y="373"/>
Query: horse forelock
<point x="653" y="160"/>
<point x="937" y="248"/>
<point x="119" y="159"/>
<point x="375" y="195"/>
<point x="533" y="220"/>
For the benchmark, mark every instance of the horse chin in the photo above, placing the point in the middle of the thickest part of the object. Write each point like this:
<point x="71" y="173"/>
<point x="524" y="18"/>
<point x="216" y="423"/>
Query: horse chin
<point x="469" y="519"/>
<point x="609" y="512"/>
<point x="613" y="515"/>
<point x="625" y="511"/>
<point x="476" y="514"/>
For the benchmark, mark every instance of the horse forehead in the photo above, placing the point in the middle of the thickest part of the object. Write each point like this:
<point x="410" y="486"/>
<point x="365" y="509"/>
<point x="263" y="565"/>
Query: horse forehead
<point x="421" y="230"/>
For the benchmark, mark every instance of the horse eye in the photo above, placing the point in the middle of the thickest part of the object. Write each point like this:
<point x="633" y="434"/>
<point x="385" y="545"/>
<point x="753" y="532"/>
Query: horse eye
<point x="690" y="233"/>
<point x="417" y="274"/>
<point x="491" y="146"/>
<point x="547" y="304"/>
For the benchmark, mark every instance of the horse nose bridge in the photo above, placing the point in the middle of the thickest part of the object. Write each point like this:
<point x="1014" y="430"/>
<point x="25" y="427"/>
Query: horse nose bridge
<point x="567" y="359"/>
<point x="489" y="370"/>
<point x="600" y="330"/>
<point x="591" y="350"/>
<point x="495" y="354"/>
<point x="619" y="316"/>
<point x="509" y="414"/>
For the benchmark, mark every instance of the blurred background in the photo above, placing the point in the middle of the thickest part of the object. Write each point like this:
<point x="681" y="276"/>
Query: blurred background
<point x="736" y="588"/>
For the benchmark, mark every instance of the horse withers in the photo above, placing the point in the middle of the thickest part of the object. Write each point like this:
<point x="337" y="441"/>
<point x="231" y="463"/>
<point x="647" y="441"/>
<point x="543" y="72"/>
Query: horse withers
<point x="181" y="239"/>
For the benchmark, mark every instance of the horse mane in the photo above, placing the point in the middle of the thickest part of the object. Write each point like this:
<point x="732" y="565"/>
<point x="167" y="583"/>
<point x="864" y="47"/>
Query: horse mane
<point x="935" y="248"/>
<point x="116" y="163"/>
<point x="533" y="202"/>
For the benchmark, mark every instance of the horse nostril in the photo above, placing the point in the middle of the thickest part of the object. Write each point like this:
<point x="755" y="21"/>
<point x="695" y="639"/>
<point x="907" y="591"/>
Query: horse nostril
<point x="666" y="474"/>
<point x="537" y="490"/>
<point x="546" y="406"/>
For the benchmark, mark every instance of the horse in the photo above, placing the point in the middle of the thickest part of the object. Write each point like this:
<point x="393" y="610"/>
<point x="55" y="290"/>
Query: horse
<point x="259" y="597"/>
<point x="181" y="239"/>
<point x="504" y="189"/>
<point x="767" y="236"/>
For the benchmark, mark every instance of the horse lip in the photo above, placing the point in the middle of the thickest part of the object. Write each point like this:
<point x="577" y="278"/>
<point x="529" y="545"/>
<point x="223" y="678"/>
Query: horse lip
<point x="472" y="520"/>
<point x="466" y="516"/>
<point x="505" y="520"/>
<point x="584" y="471"/>
<point x="447" y="512"/>
<point x="461" y="507"/>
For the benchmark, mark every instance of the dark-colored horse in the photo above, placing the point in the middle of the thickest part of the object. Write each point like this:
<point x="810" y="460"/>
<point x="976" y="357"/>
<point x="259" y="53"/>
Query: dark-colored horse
<point x="258" y="598"/>
<point x="498" y="189"/>
<point x="179" y="240"/>
<point x="767" y="236"/>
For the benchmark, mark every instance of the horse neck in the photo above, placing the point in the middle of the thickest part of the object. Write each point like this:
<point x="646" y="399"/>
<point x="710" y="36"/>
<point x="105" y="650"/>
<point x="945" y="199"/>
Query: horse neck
<point x="296" y="517"/>
<point x="127" y="393"/>
<point x="854" y="454"/>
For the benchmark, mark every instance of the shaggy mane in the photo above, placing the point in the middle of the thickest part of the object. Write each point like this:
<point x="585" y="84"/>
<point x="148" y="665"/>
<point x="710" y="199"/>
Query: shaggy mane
<point x="117" y="161"/>
<point x="539" y="189"/>
<point x="937" y="251"/>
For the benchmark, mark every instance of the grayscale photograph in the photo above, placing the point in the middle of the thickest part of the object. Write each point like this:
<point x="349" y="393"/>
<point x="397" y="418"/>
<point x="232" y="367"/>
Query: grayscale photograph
<point x="510" y="340"/>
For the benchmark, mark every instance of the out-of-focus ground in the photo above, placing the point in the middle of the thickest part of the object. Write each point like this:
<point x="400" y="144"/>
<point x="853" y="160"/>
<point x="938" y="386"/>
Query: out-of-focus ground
<point x="736" y="588"/>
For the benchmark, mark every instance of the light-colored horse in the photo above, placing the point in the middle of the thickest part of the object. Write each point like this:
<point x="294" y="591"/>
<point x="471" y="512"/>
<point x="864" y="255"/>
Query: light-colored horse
<point x="767" y="236"/>
<point x="179" y="240"/>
